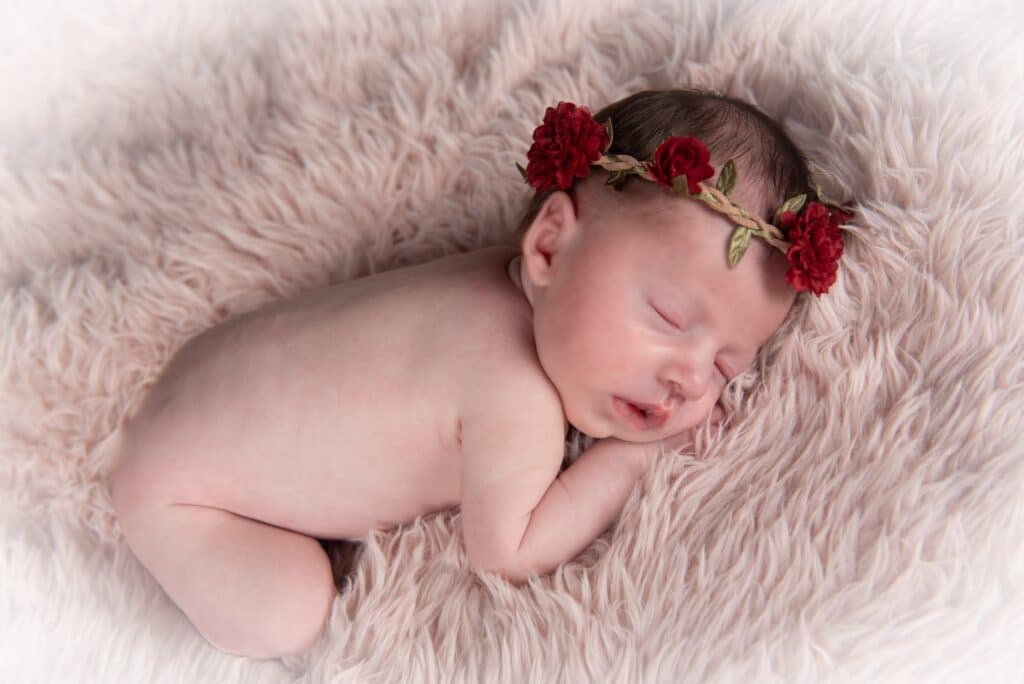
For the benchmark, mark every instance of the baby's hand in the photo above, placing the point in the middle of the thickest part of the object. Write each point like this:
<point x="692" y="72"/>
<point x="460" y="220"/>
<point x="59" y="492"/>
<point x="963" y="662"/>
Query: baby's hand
<point x="679" y="440"/>
<point x="643" y="454"/>
<point x="640" y="455"/>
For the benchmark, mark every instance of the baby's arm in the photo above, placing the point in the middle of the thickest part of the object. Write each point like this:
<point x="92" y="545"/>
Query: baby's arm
<point x="519" y="516"/>
<point x="581" y="504"/>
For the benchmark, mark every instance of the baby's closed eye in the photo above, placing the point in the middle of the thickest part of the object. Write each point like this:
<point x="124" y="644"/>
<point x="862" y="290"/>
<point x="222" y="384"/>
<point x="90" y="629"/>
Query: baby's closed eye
<point x="720" y="367"/>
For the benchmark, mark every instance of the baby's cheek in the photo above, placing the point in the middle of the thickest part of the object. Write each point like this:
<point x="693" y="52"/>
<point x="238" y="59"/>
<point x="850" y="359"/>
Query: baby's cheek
<point x="717" y="413"/>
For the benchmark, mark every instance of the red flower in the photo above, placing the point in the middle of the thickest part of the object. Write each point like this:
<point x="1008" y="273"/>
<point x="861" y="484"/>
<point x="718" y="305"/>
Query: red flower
<point x="564" y="146"/>
<point x="816" y="245"/>
<point x="679" y="156"/>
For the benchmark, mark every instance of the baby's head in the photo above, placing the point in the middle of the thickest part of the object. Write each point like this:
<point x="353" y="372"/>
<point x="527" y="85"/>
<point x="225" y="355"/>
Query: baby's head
<point x="633" y="296"/>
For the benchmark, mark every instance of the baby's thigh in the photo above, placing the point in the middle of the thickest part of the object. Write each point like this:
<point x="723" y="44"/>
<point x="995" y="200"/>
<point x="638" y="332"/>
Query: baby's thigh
<point x="249" y="588"/>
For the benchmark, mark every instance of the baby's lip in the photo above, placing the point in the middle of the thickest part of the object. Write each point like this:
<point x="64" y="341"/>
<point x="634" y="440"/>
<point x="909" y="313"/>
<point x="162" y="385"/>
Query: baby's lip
<point x="651" y="408"/>
<point x="657" y="416"/>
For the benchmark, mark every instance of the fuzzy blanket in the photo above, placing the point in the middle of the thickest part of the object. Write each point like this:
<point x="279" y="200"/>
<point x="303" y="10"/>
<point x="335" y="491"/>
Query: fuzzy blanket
<point x="167" y="165"/>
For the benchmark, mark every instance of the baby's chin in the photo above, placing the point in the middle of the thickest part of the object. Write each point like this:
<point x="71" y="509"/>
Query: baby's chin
<point x="666" y="434"/>
<point x="600" y="426"/>
<point x="625" y="434"/>
<point x="590" y="425"/>
<point x="603" y="426"/>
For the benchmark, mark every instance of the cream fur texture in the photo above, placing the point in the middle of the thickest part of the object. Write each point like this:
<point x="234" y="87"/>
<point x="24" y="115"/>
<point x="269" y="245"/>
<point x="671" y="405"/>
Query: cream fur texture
<point x="166" y="165"/>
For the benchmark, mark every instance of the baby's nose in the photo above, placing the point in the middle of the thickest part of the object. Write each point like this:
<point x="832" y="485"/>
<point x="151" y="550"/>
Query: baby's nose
<point x="689" y="382"/>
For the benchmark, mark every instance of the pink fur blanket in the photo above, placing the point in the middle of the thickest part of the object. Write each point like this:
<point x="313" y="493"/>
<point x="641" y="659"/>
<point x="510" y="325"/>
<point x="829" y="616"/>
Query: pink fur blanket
<point x="165" y="165"/>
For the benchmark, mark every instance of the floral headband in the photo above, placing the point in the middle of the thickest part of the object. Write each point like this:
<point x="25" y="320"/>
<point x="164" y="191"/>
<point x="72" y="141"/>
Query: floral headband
<point x="570" y="141"/>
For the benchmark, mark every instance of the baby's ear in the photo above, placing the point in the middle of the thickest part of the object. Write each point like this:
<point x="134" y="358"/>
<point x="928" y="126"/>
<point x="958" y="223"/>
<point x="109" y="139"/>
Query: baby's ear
<point x="551" y="232"/>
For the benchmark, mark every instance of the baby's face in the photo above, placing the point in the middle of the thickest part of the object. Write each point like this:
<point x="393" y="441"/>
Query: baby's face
<point x="634" y="303"/>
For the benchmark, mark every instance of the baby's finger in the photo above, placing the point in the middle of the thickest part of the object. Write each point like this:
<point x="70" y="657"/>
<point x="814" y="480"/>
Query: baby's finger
<point x="679" y="440"/>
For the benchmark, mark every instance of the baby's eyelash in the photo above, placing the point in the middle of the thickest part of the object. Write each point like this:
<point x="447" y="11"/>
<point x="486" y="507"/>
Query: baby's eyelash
<point x="663" y="316"/>
<point x="672" y="323"/>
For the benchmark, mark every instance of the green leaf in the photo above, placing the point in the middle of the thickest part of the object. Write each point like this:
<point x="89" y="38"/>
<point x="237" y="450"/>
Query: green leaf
<point x="681" y="185"/>
<point x="608" y="130"/>
<point x="617" y="178"/>
<point x="522" y="171"/>
<point x="738" y="245"/>
<point x="727" y="178"/>
<point x="793" y="204"/>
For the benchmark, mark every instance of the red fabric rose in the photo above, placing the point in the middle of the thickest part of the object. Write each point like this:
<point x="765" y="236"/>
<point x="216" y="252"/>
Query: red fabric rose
<point x="816" y="245"/>
<point x="564" y="146"/>
<point x="679" y="156"/>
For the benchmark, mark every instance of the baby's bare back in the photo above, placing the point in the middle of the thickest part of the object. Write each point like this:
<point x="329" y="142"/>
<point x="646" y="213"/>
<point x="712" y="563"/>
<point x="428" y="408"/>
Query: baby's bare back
<point x="338" y="411"/>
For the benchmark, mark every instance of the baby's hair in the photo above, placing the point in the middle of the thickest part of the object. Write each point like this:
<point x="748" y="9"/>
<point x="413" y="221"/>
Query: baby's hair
<point x="732" y="129"/>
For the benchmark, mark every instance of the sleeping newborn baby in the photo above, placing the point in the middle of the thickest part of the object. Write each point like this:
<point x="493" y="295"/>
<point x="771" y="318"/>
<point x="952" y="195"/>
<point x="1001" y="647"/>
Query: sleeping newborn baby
<point x="634" y="295"/>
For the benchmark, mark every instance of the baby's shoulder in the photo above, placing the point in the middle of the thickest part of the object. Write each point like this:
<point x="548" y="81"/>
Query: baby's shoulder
<point x="511" y="382"/>
<point x="490" y="324"/>
<point x="516" y="412"/>
<point x="482" y="335"/>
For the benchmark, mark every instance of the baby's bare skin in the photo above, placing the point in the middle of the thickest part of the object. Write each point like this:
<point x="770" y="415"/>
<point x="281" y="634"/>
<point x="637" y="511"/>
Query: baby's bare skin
<point x="338" y="411"/>
<point x="364" y="405"/>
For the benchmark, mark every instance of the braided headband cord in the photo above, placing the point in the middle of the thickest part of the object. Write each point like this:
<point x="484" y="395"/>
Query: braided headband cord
<point x="712" y="197"/>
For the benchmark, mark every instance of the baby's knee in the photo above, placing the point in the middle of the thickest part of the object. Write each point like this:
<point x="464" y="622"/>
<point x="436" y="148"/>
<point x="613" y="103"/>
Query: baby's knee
<point x="300" y="624"/>
<point x="288" y="629"/>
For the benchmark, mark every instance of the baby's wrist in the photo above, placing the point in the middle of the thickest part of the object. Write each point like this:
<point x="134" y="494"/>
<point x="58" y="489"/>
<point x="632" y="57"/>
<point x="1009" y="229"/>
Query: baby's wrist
<point x="645" y="455"/>
<point x="635" y="456"/>
<point x="642" y="455"/>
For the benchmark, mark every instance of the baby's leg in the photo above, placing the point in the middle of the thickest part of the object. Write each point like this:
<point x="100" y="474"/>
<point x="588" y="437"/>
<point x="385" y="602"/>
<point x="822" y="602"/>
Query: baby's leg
<point x="249" y="588"/>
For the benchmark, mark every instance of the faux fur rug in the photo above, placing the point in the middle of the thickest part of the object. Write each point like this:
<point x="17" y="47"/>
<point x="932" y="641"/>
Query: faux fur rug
<point x="168" y="165"/>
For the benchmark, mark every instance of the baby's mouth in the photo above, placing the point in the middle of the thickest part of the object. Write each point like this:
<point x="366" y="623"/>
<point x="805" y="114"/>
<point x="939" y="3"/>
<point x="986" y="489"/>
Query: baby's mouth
<point x="646" y="416"/>
<point x="656" y="415"/>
